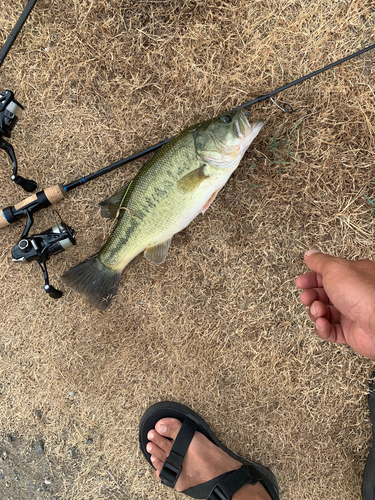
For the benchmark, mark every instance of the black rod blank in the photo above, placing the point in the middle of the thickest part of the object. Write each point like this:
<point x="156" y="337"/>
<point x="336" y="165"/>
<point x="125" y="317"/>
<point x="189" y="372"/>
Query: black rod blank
<point x="151" y="149"/>
<point x="306" y="77"/>
<point x="15" y="31"/>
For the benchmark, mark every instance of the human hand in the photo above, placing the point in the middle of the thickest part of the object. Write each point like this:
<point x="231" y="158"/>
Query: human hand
<point x="340" y="295"/>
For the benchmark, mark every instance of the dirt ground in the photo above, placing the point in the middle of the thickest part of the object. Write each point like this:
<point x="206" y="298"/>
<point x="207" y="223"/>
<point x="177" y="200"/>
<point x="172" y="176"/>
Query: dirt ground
<point x="219" y="326"/>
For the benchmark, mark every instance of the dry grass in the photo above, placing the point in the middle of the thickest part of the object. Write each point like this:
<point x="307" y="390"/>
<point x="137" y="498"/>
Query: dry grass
<point x="218" y="326"/>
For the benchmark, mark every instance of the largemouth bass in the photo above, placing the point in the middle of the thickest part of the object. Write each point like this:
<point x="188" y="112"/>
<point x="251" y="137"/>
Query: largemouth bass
<point x="178" y="183"/>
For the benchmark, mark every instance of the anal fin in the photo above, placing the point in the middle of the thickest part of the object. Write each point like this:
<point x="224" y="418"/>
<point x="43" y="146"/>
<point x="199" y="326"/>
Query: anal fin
<point x="158" y="253"/>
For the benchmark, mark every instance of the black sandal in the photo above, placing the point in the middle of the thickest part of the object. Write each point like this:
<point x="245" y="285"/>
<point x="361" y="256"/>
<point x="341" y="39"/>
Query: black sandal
<point x="368" y="484"/>
<point x="219" y="488"/>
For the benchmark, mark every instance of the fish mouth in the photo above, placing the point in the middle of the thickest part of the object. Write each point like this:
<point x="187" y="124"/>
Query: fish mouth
<point x="250" y="130"/>
<point x="246" y="132"/>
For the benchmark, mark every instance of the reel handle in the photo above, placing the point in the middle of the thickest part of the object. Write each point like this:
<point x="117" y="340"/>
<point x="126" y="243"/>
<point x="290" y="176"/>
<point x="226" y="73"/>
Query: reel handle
<point x="27" y="184"/>
<point x="39" y="200"/>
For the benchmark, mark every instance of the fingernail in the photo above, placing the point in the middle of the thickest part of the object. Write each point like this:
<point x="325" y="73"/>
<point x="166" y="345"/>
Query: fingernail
<point x="163" y="429"/>
<point x="312" y="309"/>
<point x="311" y="251"/>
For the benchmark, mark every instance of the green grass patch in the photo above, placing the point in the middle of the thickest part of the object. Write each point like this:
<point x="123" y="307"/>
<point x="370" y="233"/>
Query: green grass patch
<point x="280" y="148"/>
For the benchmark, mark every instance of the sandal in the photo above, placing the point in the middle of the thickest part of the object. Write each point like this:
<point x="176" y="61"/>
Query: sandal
<point x="219" y="488"/>
<point x="368" y="485"/>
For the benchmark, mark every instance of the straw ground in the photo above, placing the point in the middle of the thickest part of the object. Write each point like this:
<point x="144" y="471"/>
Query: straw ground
<point x="219" y="326"/>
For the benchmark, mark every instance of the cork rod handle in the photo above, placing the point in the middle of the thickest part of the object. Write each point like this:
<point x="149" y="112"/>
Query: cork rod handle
<point x="53" y="195"/>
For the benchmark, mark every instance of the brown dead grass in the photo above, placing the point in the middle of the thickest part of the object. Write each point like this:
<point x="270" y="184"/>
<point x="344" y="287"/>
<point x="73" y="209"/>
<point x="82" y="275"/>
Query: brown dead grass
<point x="218" y="326"/>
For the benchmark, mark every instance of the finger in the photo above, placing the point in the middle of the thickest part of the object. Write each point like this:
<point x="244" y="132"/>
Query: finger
<point x="309" y="296"/>
<point x="330" y="332"/>
<point x="319" y="310"/>
<point x="309" y="280"/>
<point x="317" y="261"/>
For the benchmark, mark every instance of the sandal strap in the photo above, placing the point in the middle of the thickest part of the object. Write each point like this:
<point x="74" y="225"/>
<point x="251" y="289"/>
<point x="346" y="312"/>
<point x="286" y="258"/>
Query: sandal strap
<point x="172" y="466"/>
<point x="233" y="482"/>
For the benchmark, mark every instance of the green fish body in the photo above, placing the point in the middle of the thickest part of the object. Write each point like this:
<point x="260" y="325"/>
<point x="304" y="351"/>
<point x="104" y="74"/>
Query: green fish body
<point x="178" y="183"/>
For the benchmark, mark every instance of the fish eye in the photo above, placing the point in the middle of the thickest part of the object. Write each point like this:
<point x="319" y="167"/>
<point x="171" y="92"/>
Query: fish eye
<point x="226" y="119"/>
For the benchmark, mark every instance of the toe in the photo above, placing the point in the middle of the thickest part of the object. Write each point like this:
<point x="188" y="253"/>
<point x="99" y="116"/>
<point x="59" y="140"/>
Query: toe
<point x="168" y="427"/>
<point x="156" y="452"/>
<point x="158" y="464"/>
<point x="163" y="443"/>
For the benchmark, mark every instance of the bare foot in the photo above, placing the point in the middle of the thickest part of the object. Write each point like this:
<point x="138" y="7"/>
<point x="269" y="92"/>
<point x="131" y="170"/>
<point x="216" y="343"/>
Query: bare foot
<point x="203" y="460"/>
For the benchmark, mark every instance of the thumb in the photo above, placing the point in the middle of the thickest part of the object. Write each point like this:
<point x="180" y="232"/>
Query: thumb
<point x="318" y="261"/>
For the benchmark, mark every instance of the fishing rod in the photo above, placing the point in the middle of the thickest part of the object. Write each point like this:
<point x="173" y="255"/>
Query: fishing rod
<point x="56" y="193"/>
<point x="60" y="237"/>
<point x="10" y="108"/>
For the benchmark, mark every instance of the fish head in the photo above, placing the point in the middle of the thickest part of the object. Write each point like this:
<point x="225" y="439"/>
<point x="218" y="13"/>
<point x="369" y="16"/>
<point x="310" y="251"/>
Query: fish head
<point x="223" y="141"/>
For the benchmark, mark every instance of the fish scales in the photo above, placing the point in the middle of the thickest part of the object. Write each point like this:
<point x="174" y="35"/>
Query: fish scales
<point x="170" y="190"/>
<point x="151" y="214"/>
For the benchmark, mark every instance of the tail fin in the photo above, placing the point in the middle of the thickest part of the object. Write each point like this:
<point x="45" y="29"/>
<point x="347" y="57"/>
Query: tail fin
<point x="94" y="280"/>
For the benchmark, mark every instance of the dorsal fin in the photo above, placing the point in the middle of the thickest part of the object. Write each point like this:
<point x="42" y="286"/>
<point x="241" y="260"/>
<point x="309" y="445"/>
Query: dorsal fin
<point x="110" y="206"/>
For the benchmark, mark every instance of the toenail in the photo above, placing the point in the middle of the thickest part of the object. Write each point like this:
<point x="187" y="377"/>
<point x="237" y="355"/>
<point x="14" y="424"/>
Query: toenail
<point x="162" y="429"/>
<point x="151" y="435"/>
<point x="152" y="458"/>
<point x="149" y="447"/>
<point x="313" y="309"/>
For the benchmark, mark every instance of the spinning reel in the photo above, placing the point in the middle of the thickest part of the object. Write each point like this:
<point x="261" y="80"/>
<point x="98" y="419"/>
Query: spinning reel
<point x="40" y="247"/>
<point x="10" y="109"/>
<point x="10" y="112"/>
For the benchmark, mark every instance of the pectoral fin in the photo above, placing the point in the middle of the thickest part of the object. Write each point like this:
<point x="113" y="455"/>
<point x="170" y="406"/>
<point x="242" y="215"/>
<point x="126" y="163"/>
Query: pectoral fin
<point x="192" y="180"/>
<point x="158" y="253"/>
<point x="110" y="206"/>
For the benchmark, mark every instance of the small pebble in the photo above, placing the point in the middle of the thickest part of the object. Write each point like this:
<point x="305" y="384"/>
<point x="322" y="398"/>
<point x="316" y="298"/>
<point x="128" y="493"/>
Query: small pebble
<point x="74" y="451"/>
<point x="47" y="482"/>
<point x="72" y="394"/>
<point x="7" y="440"/>
<point x="2" y="476"/>
<point x="38" y="413"/>
<point x="90" y="441"/>
<point x="5" y="454"/>
<point x="39" y="448"/>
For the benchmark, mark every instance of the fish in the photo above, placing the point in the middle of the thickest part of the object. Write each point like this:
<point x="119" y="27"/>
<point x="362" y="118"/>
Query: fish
<point x="176" y="185"/>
